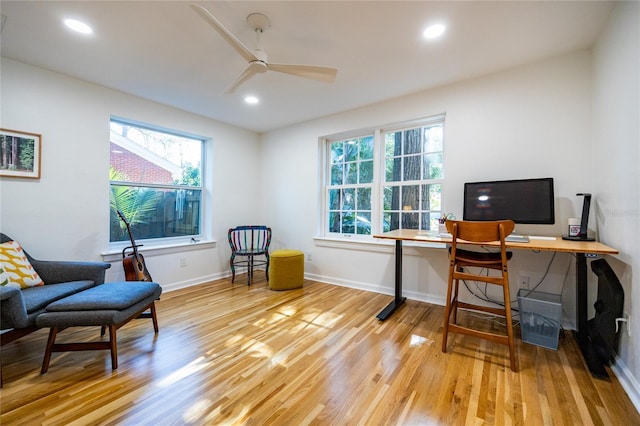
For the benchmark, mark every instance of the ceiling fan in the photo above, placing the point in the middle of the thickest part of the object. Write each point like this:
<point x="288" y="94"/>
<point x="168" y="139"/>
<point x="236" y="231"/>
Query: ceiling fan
<point x="258" y="58"/>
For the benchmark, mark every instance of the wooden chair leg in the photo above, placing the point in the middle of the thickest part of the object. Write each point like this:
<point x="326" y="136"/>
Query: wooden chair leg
<point x="53" y="331"/>
<point x="154" y="318"/>
<point x="447" y="314"/>
<point x="454" y="303"/>
<point x="113" y="346"/>
<point x="509" y="324"/>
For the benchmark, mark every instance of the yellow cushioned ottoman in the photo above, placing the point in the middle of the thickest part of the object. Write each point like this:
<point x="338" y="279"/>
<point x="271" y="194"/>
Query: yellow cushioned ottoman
<point x="286" y="269"/>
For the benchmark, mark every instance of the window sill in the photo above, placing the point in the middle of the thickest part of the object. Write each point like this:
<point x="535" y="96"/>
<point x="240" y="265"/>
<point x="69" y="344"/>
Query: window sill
<point x="114" y="254"/>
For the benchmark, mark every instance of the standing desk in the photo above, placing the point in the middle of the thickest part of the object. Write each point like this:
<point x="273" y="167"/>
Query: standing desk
<point x="581" y="250"/>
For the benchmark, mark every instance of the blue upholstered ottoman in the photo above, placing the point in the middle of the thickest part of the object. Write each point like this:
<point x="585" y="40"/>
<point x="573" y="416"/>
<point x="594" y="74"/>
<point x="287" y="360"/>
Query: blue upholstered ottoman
<point x="109" y="305"/>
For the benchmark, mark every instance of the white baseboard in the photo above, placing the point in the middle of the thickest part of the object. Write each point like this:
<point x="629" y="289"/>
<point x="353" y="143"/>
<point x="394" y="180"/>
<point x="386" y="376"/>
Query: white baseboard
<point x="628" y="382"/>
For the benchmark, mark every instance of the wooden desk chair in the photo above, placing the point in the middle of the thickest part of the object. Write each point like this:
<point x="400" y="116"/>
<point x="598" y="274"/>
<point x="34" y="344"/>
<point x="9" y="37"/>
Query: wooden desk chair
<point x="248" y="242"/>
<point x="460" y="260"/>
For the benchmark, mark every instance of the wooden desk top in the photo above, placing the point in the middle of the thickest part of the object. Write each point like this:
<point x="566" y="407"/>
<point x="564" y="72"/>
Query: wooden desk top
<point x="553" y="244"/>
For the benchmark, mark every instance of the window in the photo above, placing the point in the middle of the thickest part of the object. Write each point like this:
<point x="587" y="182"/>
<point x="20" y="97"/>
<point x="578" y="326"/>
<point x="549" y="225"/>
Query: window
<point x="384" y="179"/>
<point x="156" y="182"/>
<point x="351" y="184"/>
<point x="413" y="178"/>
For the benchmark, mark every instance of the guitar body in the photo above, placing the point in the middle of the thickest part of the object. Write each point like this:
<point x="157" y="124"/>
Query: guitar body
<point x="133" y="264"/>
<point x="135" y="268"/>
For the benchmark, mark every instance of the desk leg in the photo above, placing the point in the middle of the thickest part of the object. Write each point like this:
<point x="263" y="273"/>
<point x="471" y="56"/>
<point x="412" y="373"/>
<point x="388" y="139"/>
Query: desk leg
<point x="582" y="334"/>
<point x="398" y="299"/>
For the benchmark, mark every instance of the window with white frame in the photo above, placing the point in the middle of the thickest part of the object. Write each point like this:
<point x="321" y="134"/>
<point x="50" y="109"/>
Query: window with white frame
<point x="384" y="179"/>
<point x="156" y="182"/>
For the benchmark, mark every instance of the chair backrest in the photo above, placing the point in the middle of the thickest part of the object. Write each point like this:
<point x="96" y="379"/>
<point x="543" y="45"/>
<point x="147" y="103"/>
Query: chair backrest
<point x="480" y="232"/>
<point x="255" y="238"/>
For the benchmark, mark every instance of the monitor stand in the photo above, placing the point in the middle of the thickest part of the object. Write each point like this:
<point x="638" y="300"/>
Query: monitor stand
<point x="583" y="235"/>
<point x="579" y="238"/>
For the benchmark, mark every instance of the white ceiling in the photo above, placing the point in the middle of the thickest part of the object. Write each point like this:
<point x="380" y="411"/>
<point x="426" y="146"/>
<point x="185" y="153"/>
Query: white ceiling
<point x="164" y="51"/>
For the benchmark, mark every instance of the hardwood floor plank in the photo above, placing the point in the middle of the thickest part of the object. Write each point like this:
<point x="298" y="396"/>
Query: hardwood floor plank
<point x="237" y="354"/>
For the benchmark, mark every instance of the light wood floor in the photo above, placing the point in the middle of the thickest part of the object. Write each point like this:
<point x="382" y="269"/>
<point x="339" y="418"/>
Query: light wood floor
<point x="232" y="354"/>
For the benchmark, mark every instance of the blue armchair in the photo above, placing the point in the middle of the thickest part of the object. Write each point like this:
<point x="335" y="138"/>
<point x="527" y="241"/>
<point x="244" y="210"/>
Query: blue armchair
<point x="20" y="307"/>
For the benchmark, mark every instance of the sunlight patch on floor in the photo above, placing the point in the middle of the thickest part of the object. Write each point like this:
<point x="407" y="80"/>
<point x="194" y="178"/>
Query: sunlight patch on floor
<point x="419" y="341"/>
<point x="189" y="369"/>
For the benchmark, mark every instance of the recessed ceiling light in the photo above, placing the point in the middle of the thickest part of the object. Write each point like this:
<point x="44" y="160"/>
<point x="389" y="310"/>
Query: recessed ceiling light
<point x="434" y="31"/>
<point x="251" y="100"/>
<point x="78" y="26"/>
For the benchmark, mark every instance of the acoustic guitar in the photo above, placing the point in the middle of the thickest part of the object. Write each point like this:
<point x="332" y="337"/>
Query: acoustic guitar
<point x="133" y="263"/>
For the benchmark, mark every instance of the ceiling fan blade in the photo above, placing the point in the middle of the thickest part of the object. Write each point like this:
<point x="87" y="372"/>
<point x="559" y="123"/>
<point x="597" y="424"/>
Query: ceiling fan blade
<point x="325" y="74"/>
<point x="242" y="78"/>
<point x="230" y="38"/>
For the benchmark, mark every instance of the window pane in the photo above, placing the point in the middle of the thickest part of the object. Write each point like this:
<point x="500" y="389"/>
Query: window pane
<point x="366" y="148"/>
<point x="336" y="174"/>
<point x="393" y="170"/>
<point x="334" y="222"/>
<point x="334" y="199"/>
<point x="336" y="152"/>
<point x="391" y="198"/>
<point x="410" y="220"/>
<point x="391" y="222"/>
<point x="433" y="139"/>
<point x="432" y="197"/>
<point x="432" y="166"/>
<point x="412" y="168"/>
<point x="154" y="212"/>
<point x="147" y="156"/>
<point x="366" y="172"/>
<point x="351" y="173"/>
<point x="412" y="142"/>
<point x="410" y="197"/>
<point x="429" y="221"/>
<point x="351" y="150"/>
<point x="363" y="223"/>
<point x="348" y="199"/>
<point x="348" y="223"/>
<point x="364" y="198"/>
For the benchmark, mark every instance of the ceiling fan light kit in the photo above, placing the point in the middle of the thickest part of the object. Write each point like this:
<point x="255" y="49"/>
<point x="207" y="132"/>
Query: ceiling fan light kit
<point x="257" y="58"/>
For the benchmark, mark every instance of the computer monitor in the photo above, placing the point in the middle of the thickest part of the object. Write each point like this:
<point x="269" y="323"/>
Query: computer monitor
<point x="526" y="201"/>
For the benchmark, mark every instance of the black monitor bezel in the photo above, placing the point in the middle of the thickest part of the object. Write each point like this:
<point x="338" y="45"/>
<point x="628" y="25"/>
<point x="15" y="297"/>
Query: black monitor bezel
<point x="548" y="219"/>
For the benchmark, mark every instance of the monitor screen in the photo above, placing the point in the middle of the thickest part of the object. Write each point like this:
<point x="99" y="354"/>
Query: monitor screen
<point x="523" y="201"/>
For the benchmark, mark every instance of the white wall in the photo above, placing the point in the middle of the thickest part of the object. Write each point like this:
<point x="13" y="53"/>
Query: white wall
<point x="63" y="215"/>
<point x="616" y="166"/>
<point x="531" y="121"/>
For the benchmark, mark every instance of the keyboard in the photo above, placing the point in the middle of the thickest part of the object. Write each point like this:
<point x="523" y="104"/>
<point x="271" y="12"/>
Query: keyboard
<point x="517" y="238"/>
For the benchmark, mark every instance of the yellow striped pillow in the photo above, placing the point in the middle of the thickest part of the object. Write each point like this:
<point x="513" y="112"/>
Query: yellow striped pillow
<point x="15" y="268"/>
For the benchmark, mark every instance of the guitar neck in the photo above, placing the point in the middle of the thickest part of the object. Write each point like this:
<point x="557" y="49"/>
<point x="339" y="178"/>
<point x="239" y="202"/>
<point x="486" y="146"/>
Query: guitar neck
<point x="133" y="242"/>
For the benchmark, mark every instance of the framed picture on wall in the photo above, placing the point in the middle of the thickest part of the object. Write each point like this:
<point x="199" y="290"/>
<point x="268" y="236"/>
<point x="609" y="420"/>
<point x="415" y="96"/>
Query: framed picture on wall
<point x="20" y="154"/>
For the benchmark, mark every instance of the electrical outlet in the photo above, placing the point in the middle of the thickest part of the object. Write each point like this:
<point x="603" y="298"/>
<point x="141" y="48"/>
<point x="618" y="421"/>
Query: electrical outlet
<point x="523" y="282"/>
<point x="309" y="258"/>
<point x="183" y="262"/>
